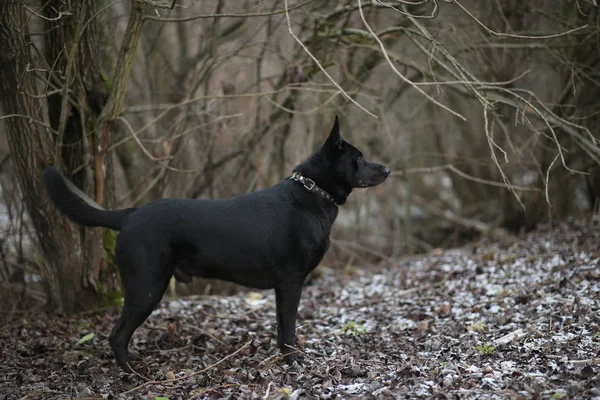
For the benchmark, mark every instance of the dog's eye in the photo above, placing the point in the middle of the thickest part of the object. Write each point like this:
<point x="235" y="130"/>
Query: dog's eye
<point x="360" y="160"/>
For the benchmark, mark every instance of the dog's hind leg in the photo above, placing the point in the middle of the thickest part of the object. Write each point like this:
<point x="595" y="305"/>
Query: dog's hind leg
<point x="144" y="283"/>
<point x="287" y="299"/>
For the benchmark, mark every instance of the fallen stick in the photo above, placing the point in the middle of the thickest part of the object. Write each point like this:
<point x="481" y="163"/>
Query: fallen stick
<point x="518" y="334"/>
<point x="167" y="381"/>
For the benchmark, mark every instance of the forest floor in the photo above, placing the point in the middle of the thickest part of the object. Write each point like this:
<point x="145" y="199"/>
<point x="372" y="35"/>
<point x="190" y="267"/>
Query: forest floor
<point x="515" y="319"/>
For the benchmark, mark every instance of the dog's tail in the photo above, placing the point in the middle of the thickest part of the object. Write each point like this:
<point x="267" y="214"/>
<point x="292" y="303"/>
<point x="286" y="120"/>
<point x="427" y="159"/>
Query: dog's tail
<point x="77" y="206"/>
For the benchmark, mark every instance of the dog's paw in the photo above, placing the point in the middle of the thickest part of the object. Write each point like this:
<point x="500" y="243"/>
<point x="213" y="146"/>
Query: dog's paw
<point x="292" y="359"/>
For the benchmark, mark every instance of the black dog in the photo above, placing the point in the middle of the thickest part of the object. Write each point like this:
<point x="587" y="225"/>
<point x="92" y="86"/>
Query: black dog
<point x="269" y="239"/>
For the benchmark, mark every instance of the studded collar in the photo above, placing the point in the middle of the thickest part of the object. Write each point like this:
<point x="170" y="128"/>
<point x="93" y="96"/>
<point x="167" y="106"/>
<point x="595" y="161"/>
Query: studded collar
<point x="311" y="186"/>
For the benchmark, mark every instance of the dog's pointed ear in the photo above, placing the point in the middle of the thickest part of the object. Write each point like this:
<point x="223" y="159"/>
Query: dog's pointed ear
<point x="334" y="141"/>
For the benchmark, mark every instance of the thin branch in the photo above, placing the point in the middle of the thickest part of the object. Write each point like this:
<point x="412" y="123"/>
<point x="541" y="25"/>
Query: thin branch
<point x="391" y="64"/>
<point x="59" y="16"/>
<point x="31" y="119"/>
<point x="227" y="15"/>
<point x="169" y="107"/>
<point x="511" y="35"/>
<point x="434" y="11"/>
<point x="203" y="391"/>
<point x="452" y="168"/>
<point x="561" y="122"/>
<point x="346" y="95"/>
<point x="548" y="179"/>
<point x="459" y="72"/>
<point x="69" y="70"/>
<point x="168" y="381"/>
<point x="492" y="144"/>
<point x="546" y="122"/>
<point x="479" y="226"/>
<point x="140" y="144"/>
<point x="306" y="112"/>
<point x="116" y="95"/>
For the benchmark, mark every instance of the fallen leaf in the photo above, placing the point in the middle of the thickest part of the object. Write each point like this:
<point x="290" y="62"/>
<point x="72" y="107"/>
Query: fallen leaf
<point x="86" y="338"/>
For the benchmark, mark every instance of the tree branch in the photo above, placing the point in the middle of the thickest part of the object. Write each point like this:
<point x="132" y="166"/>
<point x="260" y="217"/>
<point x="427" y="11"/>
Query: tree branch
<point x="117" y="91"/>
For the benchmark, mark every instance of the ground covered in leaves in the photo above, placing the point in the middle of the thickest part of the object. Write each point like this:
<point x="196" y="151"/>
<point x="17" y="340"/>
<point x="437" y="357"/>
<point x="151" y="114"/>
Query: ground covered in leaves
<point x="516" y="319"/>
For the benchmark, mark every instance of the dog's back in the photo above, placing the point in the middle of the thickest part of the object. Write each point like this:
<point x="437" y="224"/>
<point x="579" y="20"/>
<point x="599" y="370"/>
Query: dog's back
<point x="246" y="239"/>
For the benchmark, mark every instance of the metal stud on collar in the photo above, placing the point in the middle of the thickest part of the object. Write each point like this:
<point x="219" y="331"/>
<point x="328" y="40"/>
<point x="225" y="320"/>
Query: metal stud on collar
<point x="310" y="185"/>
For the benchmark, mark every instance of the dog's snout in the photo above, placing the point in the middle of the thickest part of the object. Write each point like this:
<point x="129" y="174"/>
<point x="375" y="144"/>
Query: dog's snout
<point x="386" y="170"/>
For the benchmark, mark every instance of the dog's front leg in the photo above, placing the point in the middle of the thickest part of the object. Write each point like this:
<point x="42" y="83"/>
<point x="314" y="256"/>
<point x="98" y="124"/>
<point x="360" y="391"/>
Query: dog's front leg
<point x="287" y="298"/>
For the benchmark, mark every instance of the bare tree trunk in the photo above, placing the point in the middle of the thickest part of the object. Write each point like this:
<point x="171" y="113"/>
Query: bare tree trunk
<point x="71" y="46"/>
<point x="80" y="109"/>
<point x="31" y="146"/>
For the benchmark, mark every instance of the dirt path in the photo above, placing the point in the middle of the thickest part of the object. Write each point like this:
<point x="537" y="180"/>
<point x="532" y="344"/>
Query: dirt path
<point x="491" y="321"/>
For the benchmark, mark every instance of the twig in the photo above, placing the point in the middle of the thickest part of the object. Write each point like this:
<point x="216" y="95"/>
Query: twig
<point x="169" y="107"/>
<point x="493" y="144"/>
<point x="269" y="360"/>
<point x="167" y="381"/>
<point x="139" y="142"/>
<point x="586" y="361"/>
<point x="595" y="360"/>
<point x="457" y="171"/>
<point x="391" y="64"/>
<point x="148" y="187"/>
<point x="142" y="377"/>
<point x="200" y="392"/>
<point x="516" y="335"/>
<point x="460" y="72"/>
<point x="289" y="24"/>
<point x="546" y="122"/>
<point x="306" y="112"/>
<point x="68" y="74"/>
<point x="266" y="396"/>
<point x="479" y="226"/>
<point x="60" y="14"/>
<point x="548" y="179"/>
<point x="511" y="35"/>
<point x="434" y="11"/>
<point x="465" y="82"/>
<point x="228" y="15"/>
<point x="30" y="119"/>
<point x="546" y="115"/>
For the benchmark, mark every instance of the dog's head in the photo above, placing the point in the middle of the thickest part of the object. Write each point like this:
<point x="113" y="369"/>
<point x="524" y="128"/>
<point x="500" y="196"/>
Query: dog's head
<point x="348" y="163"/>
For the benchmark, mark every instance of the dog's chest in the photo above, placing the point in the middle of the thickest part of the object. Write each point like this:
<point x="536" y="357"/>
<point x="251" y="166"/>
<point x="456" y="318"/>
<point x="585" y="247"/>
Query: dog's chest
<point x="313" y="239"/>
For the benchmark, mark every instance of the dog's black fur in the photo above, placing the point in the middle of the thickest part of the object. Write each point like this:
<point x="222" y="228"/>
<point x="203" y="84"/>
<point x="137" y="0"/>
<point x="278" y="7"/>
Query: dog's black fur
<point x="269" y="239"/>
